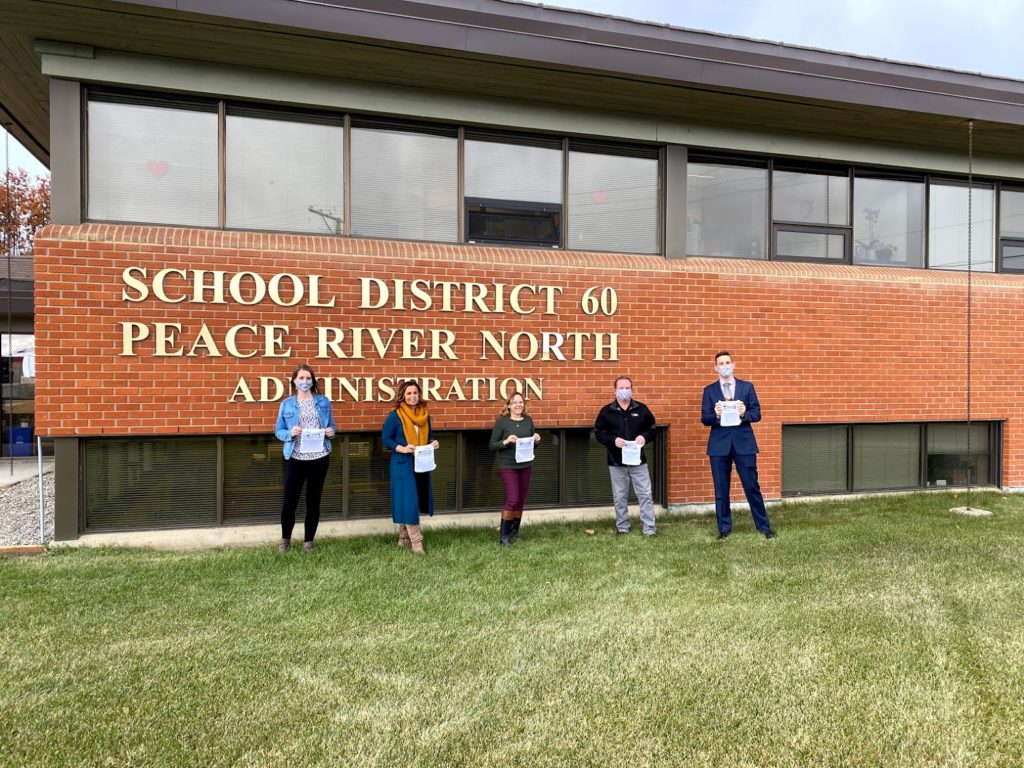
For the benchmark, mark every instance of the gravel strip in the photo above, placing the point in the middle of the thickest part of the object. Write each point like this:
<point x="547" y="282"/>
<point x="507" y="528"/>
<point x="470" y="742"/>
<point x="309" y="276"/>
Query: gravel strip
<point x="19" y="511"/>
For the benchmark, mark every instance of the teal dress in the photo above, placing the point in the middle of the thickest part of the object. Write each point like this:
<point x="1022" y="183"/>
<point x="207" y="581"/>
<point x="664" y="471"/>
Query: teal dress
<point x="405" y="502"/>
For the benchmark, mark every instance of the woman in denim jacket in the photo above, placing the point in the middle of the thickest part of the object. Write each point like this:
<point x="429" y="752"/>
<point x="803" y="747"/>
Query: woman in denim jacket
<point x="305" y="409"/>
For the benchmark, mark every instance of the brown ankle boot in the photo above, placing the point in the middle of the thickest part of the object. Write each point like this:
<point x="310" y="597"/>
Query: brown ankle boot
<point x="416" y="539"/>
<point x="403" y="537"/>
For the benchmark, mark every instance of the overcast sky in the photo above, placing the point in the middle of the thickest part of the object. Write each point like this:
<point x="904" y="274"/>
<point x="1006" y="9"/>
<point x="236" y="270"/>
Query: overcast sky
<point x="972" y="35"/>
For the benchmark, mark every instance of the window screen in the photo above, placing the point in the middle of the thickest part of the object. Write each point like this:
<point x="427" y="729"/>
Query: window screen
<point x="613" y="203"/>
<point x="285" y="174"/>
<point x="814" y="460"/>
<point x="886" y="456"/>
<point x="164" y="483"/>
<point x="152" y="164"/>
<point x="404" y="185"/>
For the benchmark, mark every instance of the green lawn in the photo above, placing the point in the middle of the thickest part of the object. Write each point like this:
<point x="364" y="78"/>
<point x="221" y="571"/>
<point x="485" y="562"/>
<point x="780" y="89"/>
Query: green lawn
<point x="881" y="632"/>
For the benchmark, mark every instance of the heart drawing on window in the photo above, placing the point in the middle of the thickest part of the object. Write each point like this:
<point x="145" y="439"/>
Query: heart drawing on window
<point x="158" y="167"/>
<point x="599" y="196"/>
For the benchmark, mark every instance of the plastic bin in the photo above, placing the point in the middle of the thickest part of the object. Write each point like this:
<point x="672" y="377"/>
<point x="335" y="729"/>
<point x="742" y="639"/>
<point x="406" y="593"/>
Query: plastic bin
<point x="19" y="439"/>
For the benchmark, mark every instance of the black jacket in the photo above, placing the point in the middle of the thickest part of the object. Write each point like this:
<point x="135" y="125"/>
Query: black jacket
<point x="613" y="422"/>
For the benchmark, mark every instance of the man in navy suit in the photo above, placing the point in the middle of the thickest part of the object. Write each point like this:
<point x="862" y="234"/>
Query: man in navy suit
<point x="733" y="444"/>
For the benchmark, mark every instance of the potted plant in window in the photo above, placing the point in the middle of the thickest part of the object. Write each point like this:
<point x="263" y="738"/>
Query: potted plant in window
<point x="874" y="249"/>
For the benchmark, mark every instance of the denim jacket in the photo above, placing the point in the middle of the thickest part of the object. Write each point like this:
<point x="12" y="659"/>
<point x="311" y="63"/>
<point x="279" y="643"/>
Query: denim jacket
<point x="288" y="417"/>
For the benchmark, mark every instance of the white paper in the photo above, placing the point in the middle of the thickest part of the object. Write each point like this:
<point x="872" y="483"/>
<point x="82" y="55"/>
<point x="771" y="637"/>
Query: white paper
<point x="524" y="449"/>
<point x="311" y="441"/>
<point x="631" y="454"/>
<point x="425" y="458"/>
<point x="730" y="413"/>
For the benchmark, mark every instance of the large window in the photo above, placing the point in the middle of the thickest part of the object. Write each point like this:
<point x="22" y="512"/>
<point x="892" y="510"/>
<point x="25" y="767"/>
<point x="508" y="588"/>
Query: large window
<point x="888" y="222"/>
<point x="152" y="163"/>
<point x="404" y="184"/>
<point x="840" y="458"/>
<point x="285" y="174"/>
<point x="173" y="482"/>
<point x="950" y="207"/>
<point x="726" y="210"/>
<point x="613" y="200"/>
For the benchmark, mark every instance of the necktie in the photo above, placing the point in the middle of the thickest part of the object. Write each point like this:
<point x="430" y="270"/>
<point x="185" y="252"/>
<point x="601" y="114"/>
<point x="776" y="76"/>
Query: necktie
<point x="728" y="391"/>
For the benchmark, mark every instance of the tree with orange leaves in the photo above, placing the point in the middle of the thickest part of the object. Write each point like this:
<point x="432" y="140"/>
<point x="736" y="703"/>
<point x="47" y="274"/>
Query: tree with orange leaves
<point x="24" y="208"/>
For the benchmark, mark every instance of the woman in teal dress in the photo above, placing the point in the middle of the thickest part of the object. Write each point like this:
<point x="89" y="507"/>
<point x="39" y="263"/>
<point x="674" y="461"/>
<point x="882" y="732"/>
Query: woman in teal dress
<point x="406" y="427"/>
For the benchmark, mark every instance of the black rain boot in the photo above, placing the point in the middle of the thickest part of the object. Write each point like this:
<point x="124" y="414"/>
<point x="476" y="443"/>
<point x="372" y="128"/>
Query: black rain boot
<point x="514" y="528"/>
<point x="506" y="533"/>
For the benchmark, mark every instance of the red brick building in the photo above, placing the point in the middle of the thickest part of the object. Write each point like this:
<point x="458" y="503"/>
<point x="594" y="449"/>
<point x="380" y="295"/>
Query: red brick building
<point x="498" y="196"/>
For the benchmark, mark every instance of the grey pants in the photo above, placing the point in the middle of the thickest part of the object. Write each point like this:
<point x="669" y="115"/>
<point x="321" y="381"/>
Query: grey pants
<point x="620" y="494"/>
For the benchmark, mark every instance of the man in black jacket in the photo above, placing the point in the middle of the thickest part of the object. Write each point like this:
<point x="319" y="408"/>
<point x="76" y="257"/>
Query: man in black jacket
<point x="620" y="424"/>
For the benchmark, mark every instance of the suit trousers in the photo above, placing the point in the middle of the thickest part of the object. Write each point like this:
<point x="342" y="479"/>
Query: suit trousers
<point x="641" y="479"/>
<point x="746" y="468"/>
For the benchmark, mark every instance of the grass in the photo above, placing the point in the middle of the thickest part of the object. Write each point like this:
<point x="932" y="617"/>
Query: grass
<point x="876" y="632"/>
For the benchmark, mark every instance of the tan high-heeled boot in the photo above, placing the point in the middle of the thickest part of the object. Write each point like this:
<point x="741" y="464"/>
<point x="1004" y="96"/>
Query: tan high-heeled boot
<point x="416" y="539"/>
<point x="403" y="537"/>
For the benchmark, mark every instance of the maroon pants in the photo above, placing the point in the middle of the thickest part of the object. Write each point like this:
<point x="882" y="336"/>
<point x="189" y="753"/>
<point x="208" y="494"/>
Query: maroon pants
<point x="517" y="484"/>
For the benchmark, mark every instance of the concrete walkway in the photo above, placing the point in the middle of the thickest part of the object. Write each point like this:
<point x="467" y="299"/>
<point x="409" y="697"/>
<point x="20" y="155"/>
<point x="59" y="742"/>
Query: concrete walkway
<point x="25" y="468"/>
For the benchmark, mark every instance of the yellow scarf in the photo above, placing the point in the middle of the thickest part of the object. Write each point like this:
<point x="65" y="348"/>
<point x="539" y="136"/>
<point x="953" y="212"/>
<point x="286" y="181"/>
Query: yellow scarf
<point x="412" y="418"/>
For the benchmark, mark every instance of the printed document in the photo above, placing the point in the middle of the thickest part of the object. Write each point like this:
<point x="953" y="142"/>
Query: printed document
<point x="425" y="458"/>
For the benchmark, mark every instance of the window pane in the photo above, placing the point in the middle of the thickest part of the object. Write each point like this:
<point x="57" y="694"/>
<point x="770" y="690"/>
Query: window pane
<point x="442" y="479"/>
<point x="726" y="210"/>
<point x="1013" y="257"/>
<point x="810" y="245"/>
<point x="947" y="227"/>
<point x="544" y="485"/>
<point x="254" y="481"/>
<point x="886" y="456"/>
<point x="404" y="185"/>
<point x="481" y="482"/>
<point x="152" y="164"/>
<point x="888" y="222"/>
<point x="813" y="460"/>
<point x="948" y="457"/>
<point x="586" y="470"/>
<point x="285" y="175"/>
<point x="496" y="171"/>
<point x="369" y="491"/>
<point x="810" y="198"/>
<point x="482" y="487"/>
<point x="1011" y="214"/>
<point x="613" y="203"/>
<point x="150" y="483"/>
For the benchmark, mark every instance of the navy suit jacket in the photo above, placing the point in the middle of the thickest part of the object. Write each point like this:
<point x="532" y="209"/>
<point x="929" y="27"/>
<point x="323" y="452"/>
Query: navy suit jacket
<point x="724" y="441"/>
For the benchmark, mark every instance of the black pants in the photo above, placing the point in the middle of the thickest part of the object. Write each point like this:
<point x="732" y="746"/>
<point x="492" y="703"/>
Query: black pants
<point x="296" y="474"/>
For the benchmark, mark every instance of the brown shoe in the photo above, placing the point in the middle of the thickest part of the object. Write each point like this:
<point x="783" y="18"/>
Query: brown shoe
<point x="307" y="547"/>
<point x="282" y="548"/>
<point x="416" y="539"/>
<point x="403" y="537"/>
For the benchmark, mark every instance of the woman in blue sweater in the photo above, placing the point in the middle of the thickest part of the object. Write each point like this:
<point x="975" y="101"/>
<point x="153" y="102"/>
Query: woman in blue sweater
<point x="305" y="409"/>
<point x="405" y="428"/>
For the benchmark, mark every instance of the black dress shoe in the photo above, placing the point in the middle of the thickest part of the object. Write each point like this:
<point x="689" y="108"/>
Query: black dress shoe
<point x="770" y="534"/>
<point x="724" y="535"/>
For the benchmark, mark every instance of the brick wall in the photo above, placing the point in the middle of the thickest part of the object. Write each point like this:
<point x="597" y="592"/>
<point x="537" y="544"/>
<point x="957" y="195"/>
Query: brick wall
<point x="820" y="342"/>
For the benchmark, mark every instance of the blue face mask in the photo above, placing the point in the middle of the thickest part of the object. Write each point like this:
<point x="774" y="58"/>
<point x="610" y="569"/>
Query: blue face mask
<point x="304" y="386"/>
<point x="624" y="394"/>
<point x="725" y="370"/>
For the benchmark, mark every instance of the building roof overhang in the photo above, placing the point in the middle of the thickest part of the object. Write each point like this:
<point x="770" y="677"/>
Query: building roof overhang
<point x="525" y="52"/>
